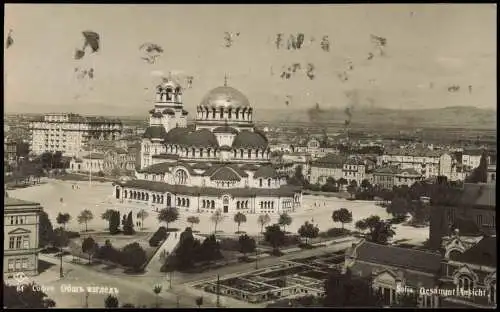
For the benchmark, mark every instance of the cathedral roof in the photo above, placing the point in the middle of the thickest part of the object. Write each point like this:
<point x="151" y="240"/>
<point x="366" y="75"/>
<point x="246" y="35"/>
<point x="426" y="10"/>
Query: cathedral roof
<point x="225" y="129"/>
<point x="225" y="148"/>
<point x="265" y="172"/>
<point x="225" y="174"/>
<point x="154" y="132"/>
<point x="169" y="111"/>
<point x="200" y="138"/>
<point x="249" y="167"/>
<point x="201" y="166"/>
<point x="157" y="114"/>
<point x="226" y="97"/>
<point x="249" y="139"/>
<point x="176" y="135"/>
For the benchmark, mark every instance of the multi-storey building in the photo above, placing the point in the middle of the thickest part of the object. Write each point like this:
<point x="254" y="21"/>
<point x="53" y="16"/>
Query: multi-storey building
<point x="466" y="265"/>
<point x="316" y="148"/>
<point x="388" y="177"/>
<point x="21" y="222"/>
<point x="429" y="163"/>
<point x="474" y="209"/>
<point x="325" y="167"/>
<point x="470" y="264"/>
<point x="68" y="133"/>
<point x="338" y="167"/>
<point x="9" y="151"/>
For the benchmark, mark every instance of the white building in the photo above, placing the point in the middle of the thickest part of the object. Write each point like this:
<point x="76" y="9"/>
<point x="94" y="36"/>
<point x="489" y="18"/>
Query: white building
<point x="223" y="162"/>
<point x="429" y="163"/>
<point x="68" y="133"/>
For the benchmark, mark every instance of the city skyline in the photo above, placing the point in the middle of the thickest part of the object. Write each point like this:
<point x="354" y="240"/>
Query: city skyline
<point x="429" y="48"/>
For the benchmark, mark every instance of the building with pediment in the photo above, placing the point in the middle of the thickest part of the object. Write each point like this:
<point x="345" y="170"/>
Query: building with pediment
<point x="462" y="274"/>
<point x="21" y="221"/>
<point x="221" y="162"/>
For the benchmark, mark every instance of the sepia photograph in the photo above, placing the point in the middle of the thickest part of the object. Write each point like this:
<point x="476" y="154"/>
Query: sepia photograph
<point x="250" y="156"/>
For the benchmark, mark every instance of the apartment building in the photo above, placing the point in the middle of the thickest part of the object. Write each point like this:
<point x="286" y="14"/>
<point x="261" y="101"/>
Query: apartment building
<point x="388" y="177"/>
<point x="429" y="163"/>
<point x="21" y="222"/>
<point x="68" y="133"/>
<point x="329" y="166"/>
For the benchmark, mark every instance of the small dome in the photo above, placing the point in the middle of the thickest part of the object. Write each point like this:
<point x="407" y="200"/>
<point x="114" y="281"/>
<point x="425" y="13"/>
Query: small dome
<point x="225" y="97"/>
<point x="225" y="129"/>
<point x="201" y="138"/>
<point x="225" y="174"/>
<point x="169" y="83"/>
<point x="155" y="132"/>
<point x="176" y="135"/>
<point x="184" y="112"/>
<point x="249" y="139"/>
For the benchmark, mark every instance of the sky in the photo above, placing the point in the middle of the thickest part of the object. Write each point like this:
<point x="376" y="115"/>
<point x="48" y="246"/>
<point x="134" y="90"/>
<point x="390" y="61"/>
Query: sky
<point x="430" y="47"/>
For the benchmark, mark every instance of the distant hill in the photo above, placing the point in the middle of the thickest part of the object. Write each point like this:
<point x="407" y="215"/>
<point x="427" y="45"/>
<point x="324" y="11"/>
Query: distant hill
<point x="467" y="116"/>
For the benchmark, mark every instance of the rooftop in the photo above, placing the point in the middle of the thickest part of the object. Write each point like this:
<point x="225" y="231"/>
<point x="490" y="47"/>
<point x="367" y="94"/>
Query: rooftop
<point x="9" y="201"/>
<point x="483" y="253"/>
<point x="418" y="260"/>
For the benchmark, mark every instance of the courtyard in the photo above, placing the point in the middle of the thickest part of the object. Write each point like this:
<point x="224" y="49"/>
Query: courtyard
<point x="290" y="278"/>
<point x="98" y="197"/>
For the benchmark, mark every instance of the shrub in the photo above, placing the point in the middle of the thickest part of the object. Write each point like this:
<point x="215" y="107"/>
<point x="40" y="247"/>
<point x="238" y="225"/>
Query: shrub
<point x="69" y="234"/>
<point x="229" y="244"/>
<point x="159" y="236"/>
<point x="290" y="240"/>
<point x="334" y="232"/>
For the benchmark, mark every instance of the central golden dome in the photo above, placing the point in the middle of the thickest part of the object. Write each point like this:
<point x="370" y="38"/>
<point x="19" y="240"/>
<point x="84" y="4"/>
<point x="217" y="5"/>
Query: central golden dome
<point x="226" y="97"/>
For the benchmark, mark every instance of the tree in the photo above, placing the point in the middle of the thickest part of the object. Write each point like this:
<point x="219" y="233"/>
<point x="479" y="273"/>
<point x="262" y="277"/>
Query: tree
<point x="285" y="220"/>
<point x="331" y="181"/>
<point x="480" y="174"/>
<point x="342" y="215"/>
<point x="217" y="218"/>
<point x="45" y="230"/>
<point x="342" y="181"/>
<point x="308" y="231"/>
<point x="346" y="290"/>
<point x="239" y="218"/>
<point x="111" y="302"/>
<point x="420" y="212"/>
<point x="263" y="220"/>
<point x="275" y="237"/>
<point x="365" y="184"/>
<point x="27" y="298"/>
<point x="398" y="207"/>
<point x="193" y="220"/>
<point x="352" y="188"/>
<point x="168" y="215"/>
<point x="134" y="256"/>
<point x="106" y="216"/>
<point x="90" y="247"/>
<point x="128" y="305"/>
<point x="157" y="290"/>
<point x="143" y="214"/>
<point x="298" y="178"/>
<point x="84" y="217"/>
<point x="186" y="251"/>
<point x="63" y="218"/>
<point x="199" y="302"/>
<point x="247" y="245"/>
<point x="379" y="231"/>
<point x="114" y="222"/>
<point x="210" y="249"/>
<point x="128" y="227"/>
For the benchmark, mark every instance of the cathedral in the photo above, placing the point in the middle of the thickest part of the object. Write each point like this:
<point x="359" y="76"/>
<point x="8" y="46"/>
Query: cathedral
<point x="221" y="162"/>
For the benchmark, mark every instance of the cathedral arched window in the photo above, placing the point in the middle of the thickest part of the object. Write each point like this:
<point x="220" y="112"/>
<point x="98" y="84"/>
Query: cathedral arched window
<point x="237" y="205"/>
<point x="241" y="153"/>
<point x="178" y="201"/>
<point x="201" y="152"/>
<point x="203" y="204"/>
<point x="169" y="94"/>
<point x="183" y="202"/>
<point x="181" y="176"/>
<point x="221" y="113"/>
<point x="193" y="151"/>
<point x="465" y="283"/>
<point x="213" y="113"/>
<point x="187" y="202"/>
<point x="249" y="153"/>
<point x="125" y="194"/>
<point x="269" y="182"/>
<point x="154" y="198"/>
<point x="213" y="204"/>
<point x="260" y="182"/>
<point x="147" y="197"/>
<point x="234" y="153"/>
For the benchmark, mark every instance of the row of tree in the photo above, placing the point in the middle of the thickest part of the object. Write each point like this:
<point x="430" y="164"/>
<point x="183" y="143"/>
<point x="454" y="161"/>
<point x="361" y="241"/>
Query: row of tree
<point x="132" y="256"/>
